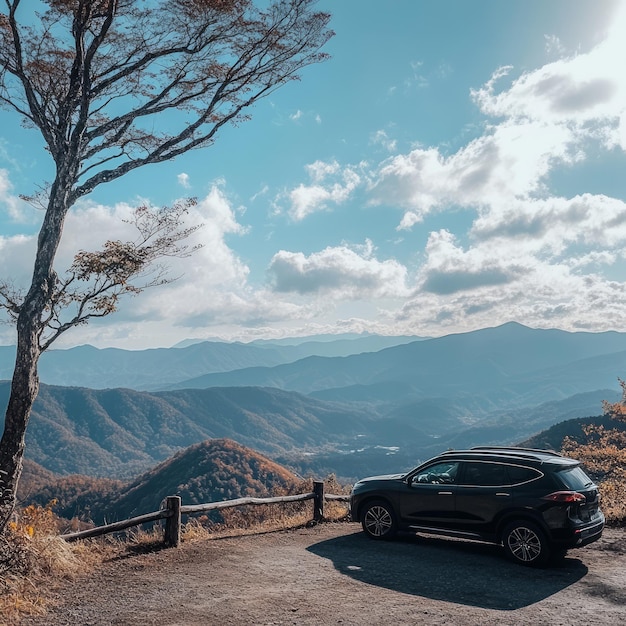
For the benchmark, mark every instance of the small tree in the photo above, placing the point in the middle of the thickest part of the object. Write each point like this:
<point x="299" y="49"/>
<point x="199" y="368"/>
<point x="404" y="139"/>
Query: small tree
<point x="603" y="451"/>
<point x="617" y="410"/>
<point x="95" y="78"/>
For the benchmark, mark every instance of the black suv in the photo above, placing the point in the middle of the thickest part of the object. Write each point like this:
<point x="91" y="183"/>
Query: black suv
<point x="536" y="503"/>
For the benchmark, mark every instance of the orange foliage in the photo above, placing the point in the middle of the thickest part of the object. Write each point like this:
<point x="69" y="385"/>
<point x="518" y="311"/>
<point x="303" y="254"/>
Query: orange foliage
<point x="617" y="410"/>
<point x="603" y="454"/>
<point x="35" y="520"/>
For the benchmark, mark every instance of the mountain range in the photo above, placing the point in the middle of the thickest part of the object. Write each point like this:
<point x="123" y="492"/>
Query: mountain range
<point x="87" y="366"/>
<point x="513" y="364"/>
<point x="213" y="420"/>
<point x="351" y="414"/>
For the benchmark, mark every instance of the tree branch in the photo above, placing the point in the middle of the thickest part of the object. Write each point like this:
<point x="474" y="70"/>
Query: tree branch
<point x="96" y="280"/>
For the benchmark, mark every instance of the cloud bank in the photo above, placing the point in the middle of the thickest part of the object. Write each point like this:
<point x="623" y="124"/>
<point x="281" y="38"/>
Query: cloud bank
<point x="481" y="234"/>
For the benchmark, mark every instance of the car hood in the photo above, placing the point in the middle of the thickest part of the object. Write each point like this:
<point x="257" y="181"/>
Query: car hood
<point x="382" y="477"/>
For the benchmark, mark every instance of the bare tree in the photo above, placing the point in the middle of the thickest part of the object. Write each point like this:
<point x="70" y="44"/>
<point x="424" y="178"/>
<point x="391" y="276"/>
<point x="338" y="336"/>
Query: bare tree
<point x="95" y="78"/>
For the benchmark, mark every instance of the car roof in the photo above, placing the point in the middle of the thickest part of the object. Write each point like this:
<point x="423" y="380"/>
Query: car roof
<point x="512" y="453"/>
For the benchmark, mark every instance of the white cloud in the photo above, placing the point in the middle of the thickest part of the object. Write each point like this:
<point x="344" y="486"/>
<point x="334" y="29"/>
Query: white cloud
<point x="539" y="263"/>
<point x="582" y="89"/>
<point x="381" y="138"/>
<point x="528" y="254"/>
<point x="211" y="270"/>
<point x="344" y="272"/>
<point x="200" y="279"/>
<point x="211" y="286"/>
<point x="511" y="161"/>
<point x="307" y="199"/>
<point x="211" y="290"/>
<point x="262" y="192"/>
<point x="449" y="269"/>
<point x="554" y="45"/>
<point x="547" y="295"/>
<point x="17" y="210"/>
<point x="319" y="170"/>
<point x="593" y="259"/>
<point x="183" y="180"/>
<point x="547" y="118"/>
<point x="566" y="91"/>
<point x="17" y="253"/>
<point x="527" y="251"/>
<point x="555" y="224"/>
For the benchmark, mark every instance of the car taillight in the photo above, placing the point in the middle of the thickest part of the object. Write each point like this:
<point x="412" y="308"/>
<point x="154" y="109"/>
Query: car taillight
<point x="568" y="497"/>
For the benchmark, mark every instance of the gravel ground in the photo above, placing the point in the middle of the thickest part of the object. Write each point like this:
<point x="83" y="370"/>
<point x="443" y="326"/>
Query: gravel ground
<point x="333" y="574"/>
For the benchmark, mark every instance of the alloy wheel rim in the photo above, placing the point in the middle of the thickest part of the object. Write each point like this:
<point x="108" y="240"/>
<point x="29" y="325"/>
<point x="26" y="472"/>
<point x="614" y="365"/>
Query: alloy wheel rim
<point x="524" y="544"/>
<point x="378" y="521"/>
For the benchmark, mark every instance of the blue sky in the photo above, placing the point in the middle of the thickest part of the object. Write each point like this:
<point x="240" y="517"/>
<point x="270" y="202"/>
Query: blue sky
<point x="454" y="165"/>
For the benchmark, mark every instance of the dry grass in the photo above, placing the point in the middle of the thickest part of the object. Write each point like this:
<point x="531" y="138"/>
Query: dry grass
<point x="264" y="518"/>
<point x="33" y="556"/>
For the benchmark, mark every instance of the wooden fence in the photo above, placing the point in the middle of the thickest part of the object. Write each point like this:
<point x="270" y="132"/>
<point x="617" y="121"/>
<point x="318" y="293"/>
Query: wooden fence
<point x="174" y="509"/>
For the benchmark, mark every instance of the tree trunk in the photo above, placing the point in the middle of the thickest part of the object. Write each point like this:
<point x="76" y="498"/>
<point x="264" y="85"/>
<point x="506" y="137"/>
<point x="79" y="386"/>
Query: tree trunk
<point x="30" y="325"/>
<point x="24" y="388"/>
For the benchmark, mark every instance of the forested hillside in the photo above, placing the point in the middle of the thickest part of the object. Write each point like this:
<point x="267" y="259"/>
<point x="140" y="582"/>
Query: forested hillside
<point x="120" y="433"/>
<point x="366" y="413"/>
<point x="209" y="471"/>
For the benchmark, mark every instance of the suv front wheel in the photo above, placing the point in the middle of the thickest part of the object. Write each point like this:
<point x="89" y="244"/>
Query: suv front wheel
<point x="525" y="543"/>
<point x="378" y="520"/>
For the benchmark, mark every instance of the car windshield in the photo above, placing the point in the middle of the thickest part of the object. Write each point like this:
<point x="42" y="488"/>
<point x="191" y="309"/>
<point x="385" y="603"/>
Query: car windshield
<point x="575" y="478"/>
<point x="438" y="473"/>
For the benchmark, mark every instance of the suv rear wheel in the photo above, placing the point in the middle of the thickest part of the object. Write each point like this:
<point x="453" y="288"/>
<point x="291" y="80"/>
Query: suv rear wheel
<point x="525" y="543"/>
<point x="378" y="520"/>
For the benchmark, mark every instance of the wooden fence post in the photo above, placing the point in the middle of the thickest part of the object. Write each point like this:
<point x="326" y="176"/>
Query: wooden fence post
<point x="318" y="501"/>
<point x="172" y="523"/>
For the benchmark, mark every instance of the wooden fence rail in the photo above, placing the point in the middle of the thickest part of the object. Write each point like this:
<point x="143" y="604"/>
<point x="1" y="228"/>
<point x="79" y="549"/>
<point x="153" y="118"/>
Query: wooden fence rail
<point x="115" y="526"/>
<point x="225" y="504"/>
<point x="173" y="511"/>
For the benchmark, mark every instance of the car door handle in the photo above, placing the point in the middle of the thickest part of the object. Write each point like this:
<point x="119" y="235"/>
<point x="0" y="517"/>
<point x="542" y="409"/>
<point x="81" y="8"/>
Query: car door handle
<point x="445" y="493"/>
<point x="504" y="495"/>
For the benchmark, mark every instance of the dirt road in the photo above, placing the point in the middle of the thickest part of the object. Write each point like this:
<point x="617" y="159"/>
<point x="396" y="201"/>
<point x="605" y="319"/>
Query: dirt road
<point x="333" y="574"/>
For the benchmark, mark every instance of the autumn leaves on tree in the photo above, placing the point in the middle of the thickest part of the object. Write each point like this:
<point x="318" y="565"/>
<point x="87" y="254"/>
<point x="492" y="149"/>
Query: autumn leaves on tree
<point x="603" y="452"/>
<point x="92" y="76"/>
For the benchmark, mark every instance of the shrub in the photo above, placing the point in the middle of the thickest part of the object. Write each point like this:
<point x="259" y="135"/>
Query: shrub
<point x="31" y="551"/>
<point x="603" y="453"/>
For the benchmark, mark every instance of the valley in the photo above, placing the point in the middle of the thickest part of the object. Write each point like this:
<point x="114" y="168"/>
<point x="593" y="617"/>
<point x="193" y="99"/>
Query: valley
<point x="342" y="413"/>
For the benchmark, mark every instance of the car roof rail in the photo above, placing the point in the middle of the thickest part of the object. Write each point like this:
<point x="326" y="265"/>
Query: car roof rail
<point x="503" y="452"/>
<point x="516" y="449"/>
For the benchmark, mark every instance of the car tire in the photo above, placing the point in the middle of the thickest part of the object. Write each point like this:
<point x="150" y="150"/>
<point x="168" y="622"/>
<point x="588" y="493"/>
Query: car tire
<point x="378" y="520"/>
<point x="525" y="543"/>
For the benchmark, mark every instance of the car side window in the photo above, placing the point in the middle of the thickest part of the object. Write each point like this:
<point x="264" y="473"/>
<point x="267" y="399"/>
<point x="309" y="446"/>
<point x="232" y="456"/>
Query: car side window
<point x="521" y="475"/>
<point x="438" y="474"/>
<point x="476" y="474"/>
